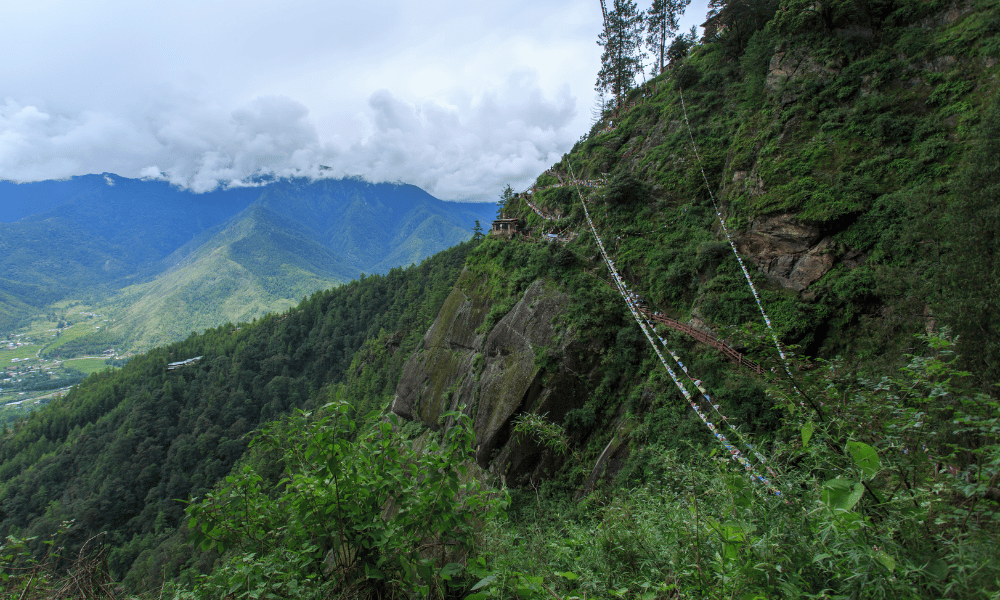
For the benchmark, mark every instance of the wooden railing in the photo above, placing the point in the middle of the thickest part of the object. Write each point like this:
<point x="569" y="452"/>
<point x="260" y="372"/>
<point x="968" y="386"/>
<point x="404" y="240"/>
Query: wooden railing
<point x="706" y="338"/>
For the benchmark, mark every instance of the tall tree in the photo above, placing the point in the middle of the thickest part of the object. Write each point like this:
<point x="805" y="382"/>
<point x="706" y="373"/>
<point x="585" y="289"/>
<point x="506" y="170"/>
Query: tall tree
<point x="662" y="25"/>
<point x="506" y="196"/>
<point x="733" y="22"/>
<point x="622" y="58"/>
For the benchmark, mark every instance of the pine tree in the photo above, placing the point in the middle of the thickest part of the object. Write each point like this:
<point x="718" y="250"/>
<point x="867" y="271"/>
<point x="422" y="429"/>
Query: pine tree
<point x="622" y="58"/>
<point x="598" y="109"/>
<point x="733" y="22"/>
<point x="661" y="25"/>
<point x="681" y="45"/>
<point x="505" y="197"/>
<point x="477" y="232"/>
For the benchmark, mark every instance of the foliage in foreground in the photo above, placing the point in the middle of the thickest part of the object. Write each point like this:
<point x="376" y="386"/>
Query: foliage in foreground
<point x="59" y="574"/>
<point x="360" y="511"/>
<point x="891" y="494"/>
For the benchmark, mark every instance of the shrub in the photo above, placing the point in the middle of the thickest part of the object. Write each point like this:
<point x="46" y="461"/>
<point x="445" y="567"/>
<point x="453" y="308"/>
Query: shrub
<point x="625" y="189"/>
<point x="358" y="510"/>
<point x="687" y="76"/>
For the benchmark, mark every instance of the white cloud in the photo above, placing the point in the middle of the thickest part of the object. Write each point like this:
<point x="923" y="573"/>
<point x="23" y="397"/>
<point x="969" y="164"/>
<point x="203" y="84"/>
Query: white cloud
<point x="452" y="150"/>
<point x="458" y="151"/>
<point x="457" y="97"/>
<point x="151" y="172"/>
<point x="36" y="144"/>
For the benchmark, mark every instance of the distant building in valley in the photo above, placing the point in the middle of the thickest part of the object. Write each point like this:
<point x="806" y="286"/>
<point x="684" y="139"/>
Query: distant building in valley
<point x="183" y="363"/>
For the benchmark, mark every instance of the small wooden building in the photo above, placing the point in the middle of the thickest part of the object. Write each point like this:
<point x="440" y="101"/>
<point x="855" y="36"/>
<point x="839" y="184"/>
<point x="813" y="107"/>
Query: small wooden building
<point x="504" y="226"/>
<point x="182" y="363"/>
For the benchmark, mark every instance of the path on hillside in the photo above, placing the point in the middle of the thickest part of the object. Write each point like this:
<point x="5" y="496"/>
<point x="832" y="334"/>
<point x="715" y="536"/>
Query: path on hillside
<point x="706" y="338"/>
<point x="701" y="336"/>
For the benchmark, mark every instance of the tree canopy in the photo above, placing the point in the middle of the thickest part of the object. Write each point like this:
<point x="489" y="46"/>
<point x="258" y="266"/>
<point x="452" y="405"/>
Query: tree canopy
<point x="622" y="59"/>
<point x="661" y="26"/>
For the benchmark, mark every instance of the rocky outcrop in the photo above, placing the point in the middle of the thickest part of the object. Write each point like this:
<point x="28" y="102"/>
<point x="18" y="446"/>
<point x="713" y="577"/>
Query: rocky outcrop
<point x="496" y="375"/>
<point x="792" y="253"/>
<point x="786" y="66"/>
<point x="749" y="183"/>
<point x="956" y="11"/>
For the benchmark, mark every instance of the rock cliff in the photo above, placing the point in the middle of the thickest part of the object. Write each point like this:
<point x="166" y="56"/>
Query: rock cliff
<point x="525" y="363"/>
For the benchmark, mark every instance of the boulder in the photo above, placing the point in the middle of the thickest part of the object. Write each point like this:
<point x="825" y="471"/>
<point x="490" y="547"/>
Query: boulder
<point x="792" y="253"/>
<point x="495" y="374"/>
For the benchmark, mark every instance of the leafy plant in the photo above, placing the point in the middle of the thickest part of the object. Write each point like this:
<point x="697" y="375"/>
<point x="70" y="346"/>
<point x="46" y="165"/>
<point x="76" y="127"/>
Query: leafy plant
<point x="357" y="509"/>
<point x="534" y="426"/>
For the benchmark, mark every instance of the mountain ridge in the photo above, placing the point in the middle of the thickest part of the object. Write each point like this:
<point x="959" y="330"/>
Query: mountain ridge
<point x="104" y="234"/>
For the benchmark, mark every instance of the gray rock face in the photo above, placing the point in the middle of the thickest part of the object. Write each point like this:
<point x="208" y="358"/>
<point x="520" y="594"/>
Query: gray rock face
<point x="792" y="253"/>
<point x="495" y="374"/>
<point x="795" y="64"/>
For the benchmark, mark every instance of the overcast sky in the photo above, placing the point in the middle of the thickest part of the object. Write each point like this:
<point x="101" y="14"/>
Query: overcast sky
<point x="457" y="97"/>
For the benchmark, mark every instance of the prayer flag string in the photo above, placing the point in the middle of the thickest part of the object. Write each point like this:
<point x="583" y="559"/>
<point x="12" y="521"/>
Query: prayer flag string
<point x="746" y="273"/>
<point x="716" y="407"/>
<point x="734" y="452"/>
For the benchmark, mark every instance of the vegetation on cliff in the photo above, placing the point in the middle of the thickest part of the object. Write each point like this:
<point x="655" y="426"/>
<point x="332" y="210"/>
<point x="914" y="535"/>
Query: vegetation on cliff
<point x="851" y="148"/>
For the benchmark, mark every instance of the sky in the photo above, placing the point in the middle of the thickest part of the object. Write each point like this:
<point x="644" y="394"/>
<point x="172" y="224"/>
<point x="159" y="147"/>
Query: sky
<point x="458" y="97"/>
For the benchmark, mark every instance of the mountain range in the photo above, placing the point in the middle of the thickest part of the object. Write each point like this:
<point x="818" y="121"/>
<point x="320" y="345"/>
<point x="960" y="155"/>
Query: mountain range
<point x="162" y="261"/>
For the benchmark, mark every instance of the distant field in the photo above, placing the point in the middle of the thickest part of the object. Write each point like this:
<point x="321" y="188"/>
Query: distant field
<point x="6" y="355"/>
<point x="86" y="365"/>
<point x="77" y="331"/>
<point x="18" y="400"/>
<point x="40" y="332"/>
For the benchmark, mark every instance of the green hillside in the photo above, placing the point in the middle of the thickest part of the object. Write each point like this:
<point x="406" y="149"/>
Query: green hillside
<point x="257" y="264"/>
<point x="385" y="224"/>
<point x="419" y="237"/>
<point x="759" y="361"/>
<point x="126" y="445"/>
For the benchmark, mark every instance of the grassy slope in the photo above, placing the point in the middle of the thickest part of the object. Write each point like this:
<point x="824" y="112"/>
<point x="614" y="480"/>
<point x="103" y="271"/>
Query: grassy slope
<point x="879" y="144"/>
<point x="869" y="144"/>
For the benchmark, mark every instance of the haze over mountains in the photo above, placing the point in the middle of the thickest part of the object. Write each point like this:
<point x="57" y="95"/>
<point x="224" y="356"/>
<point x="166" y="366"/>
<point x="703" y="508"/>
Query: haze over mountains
<point x="165" y="261"/>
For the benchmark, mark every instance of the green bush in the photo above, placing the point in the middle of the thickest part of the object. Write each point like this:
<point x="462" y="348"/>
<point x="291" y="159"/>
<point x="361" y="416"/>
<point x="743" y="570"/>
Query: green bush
<point x="891" y="492"/>
<point x="358" y="510"/>
<point x="625" y="189"/>
<point x="687" y="76"/>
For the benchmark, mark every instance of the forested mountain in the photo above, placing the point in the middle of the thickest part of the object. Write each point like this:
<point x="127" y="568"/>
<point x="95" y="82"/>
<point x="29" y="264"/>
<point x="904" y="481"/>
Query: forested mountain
<point x="103" y="229"/>
<point x="759" y="359"/>
<point x="375" y="226"/>
<point x="95" y="235"/>
<point x="120" y="450"/>
<point x="256" y="263"/>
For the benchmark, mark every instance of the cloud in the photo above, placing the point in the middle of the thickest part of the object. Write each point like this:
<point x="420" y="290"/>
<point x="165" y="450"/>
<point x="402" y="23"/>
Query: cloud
<point x="36" y="144"/>
<point x="271" y="134"/>
<point x="192" y="147"/>
<point x="471" y="95"/>
<point x="464" y="148"/>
